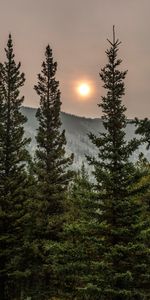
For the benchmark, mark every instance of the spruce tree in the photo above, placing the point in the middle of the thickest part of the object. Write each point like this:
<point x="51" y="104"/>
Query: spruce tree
<point x="80" y="239"/>
<point x="13" y="177"/>
<point x="123" y="265"/>
<point x="53" y="177"/>
<point x="143" y="129"/>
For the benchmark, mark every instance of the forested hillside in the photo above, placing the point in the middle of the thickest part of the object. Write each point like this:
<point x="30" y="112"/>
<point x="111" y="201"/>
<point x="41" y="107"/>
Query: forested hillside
<point x="77" y="129"/>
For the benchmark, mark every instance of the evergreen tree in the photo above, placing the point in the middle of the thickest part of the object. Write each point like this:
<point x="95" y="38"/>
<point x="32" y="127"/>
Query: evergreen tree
<point x="144" y="165"/>
<point x="143" y="129"/>
<point x="123" y="265"/>
<point x="80" y="240"/>
<point x="13" y="178"/>
<point x="53" y="177"/>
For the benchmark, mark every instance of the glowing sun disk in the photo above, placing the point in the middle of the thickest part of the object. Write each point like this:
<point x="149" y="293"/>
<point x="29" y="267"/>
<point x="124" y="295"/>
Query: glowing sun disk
<point x="84" y="89"/>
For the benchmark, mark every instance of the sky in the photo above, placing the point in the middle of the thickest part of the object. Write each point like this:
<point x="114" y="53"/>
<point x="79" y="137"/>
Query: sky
<point x="77" y="31"/>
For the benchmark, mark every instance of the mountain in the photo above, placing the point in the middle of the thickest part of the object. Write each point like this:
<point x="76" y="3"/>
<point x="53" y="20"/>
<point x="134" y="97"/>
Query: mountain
<point x="77" y="129"/>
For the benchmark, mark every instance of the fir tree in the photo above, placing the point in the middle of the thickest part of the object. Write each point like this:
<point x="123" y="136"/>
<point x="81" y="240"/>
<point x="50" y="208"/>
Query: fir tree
<point x="13" y="178"/>
<point x="143" y="129"/>
<point x="79" y="247"/>
<point x="53" y="177"/>
<point x="123" y="265"/>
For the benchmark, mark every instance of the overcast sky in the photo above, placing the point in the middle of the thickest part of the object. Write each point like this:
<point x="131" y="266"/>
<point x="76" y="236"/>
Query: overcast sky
<point x="77" y="31"/>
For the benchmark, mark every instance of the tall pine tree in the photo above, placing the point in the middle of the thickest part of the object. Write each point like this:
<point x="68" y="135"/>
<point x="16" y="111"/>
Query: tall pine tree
<point x="80" y="247"/>
<point x="13" y="177"/>
<point x="123" y="265"/>
<point x="53" y="177"/>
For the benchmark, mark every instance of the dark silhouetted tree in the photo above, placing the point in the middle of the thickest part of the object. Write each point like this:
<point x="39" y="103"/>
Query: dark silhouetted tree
<point x="13" y="177"/>
<point x="123" y="264"/>
<point x="53" y="177"/>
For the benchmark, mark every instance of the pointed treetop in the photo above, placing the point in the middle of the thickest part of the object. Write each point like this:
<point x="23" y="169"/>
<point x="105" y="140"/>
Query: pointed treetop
<point x="9" y="48"/>
<point x="114" y="42"/>
<point x="10" y="44"/>
<point x="48" y="50"/>
<point x="113" y="34"/>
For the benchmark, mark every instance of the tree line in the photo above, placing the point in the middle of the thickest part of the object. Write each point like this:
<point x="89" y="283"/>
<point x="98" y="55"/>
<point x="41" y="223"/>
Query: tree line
<point x="61" y="235"/>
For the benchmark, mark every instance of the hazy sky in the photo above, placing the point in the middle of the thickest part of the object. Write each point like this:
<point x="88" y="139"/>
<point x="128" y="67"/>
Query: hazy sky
<point x="77" y="31"/>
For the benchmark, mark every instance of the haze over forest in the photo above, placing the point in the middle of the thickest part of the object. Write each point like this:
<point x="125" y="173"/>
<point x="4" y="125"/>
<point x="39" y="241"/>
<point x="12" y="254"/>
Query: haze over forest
<point x="66" y="232"/>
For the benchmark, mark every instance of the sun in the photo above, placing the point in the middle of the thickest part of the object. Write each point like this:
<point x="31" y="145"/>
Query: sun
<point x="84" y="89"/>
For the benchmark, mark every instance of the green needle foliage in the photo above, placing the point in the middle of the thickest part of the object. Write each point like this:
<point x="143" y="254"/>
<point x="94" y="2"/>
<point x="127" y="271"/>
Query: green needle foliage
<point x="80" y="247"/>
<point x="123" y="267"/>
<point x="143" y="129"/>
<point x="13" y="177"/>
<point x="53" y="178"/>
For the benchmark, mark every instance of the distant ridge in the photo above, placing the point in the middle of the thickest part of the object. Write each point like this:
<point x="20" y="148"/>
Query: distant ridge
<point x="77" y="129"/>
<point x="62" y="112"/>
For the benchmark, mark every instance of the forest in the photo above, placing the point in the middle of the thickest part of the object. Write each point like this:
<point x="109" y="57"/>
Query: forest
<point x="63" y="235"/>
